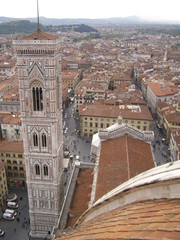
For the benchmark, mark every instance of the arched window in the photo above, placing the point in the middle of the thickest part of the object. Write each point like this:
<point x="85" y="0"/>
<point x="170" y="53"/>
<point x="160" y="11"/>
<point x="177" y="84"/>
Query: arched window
<point x="44" y="142"/>
<point x="45" y="168"/>
<point x="37" y="97"/>
<point x="35" y="140"/>
<point x="37" y="169"/>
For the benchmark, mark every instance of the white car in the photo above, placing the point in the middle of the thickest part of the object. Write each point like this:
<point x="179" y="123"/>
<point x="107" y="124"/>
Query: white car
<point x="11" y="211"/>
<point x="12" y="205"/>
<point x="1" y="233"/>
<point x="8" y="216"/>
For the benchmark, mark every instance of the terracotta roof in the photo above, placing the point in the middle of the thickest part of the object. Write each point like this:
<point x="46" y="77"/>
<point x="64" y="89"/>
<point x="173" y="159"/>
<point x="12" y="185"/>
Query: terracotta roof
<point x="13" y="94"/>
<point x="173" y="117"/>
<point x="10" y="119"/>
<point x="121" y="159"/>
<point x="81" y="196"/>
<point x="152" y="220"/>
<point x="101" y="110"/>
<point x="161" y="89"/>
<point x="7" y="146"/>
<point x="38" y="35"/>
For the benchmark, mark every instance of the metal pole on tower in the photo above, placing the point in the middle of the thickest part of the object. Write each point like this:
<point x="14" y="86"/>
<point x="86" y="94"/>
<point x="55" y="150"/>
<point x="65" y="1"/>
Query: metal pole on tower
<point x="38" y="16"/>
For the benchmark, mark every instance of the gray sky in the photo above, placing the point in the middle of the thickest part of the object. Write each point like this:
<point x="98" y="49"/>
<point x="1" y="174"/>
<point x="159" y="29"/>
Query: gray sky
<point x="151" y="9"/>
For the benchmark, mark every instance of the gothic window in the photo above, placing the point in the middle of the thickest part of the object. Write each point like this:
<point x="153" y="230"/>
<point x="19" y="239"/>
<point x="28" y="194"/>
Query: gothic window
<point x="35" y="140"/>
<point x="44" y="142"/>
<point x="37" y="97"/>
<point x="37" y="169"/>
<point x="45" y="168"/>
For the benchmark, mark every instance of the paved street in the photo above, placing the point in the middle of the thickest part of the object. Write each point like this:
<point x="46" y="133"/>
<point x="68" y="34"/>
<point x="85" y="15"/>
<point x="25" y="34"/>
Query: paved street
<point x="160" y="148"/>
<point x="72" y="141"/>
<point x="18" y="228"/>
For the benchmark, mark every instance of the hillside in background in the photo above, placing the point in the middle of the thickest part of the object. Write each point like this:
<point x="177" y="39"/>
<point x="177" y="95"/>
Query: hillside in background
<point x="104" y="21"/>
<point x="25" y="26"/>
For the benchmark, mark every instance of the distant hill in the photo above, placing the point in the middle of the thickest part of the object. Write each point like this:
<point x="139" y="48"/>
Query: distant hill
<point x="105" y="21"/>
<point x="68" y="21"/>
<point x="22" y="26"/>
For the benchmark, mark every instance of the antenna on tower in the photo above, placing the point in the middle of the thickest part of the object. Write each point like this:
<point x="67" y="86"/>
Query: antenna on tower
<point x="38" y="29"/>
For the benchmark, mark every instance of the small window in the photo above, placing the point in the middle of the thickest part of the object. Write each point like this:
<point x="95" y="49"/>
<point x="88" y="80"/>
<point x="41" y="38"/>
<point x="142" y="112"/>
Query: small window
<point x="37" y="95"/>
<point x="45" y="170"/>
<point x="44" y="143"/>
<point x="37" y="169"/>
<point x="35" y="140"/>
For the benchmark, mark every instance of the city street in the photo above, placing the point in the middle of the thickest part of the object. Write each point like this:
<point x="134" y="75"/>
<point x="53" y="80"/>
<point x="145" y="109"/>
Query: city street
<point x="72" y="141"/>
<point x="17" y="229"/>
<point x="160" y="147"/>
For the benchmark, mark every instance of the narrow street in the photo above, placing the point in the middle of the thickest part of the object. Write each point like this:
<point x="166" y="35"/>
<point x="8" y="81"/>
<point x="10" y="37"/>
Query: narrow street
<point x="72" y="141"/>
<point x="160" y="147"/>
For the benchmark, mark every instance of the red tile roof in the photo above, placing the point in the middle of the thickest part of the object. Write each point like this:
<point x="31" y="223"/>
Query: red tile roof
<point x="121" y="159"/>
<point x="162" y="89"/>
<point x="38" y="35"/>
<point x="97" y="110"/>
<point x="81" y="196"/>
<point x="152" y="220"/>
<point x="7" y="146"/>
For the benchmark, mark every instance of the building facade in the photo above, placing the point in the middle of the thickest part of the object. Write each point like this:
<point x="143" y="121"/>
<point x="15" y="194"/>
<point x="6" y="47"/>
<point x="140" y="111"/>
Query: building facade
<point x="39" y="74"/>
<point x="95" y="117"/>
<point x="12" y="155"/>
<point x="3" y="185"/>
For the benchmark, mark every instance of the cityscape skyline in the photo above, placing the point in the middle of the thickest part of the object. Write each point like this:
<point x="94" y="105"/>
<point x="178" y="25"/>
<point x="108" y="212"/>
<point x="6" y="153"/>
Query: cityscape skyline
<point x="150" y="10"/>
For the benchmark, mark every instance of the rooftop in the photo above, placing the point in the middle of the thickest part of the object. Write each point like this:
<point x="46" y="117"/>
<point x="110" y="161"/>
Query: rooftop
<point x="121" y="159"/>
<point x="145" y="207"/>
<point x="38" y="35"/>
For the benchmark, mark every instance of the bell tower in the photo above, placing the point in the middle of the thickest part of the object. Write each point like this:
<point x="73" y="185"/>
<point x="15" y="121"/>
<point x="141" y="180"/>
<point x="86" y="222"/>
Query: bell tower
<point x="40" y="91"/>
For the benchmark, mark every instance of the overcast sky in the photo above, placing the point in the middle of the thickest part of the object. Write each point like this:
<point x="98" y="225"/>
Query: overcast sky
<point x="151" y="9"/>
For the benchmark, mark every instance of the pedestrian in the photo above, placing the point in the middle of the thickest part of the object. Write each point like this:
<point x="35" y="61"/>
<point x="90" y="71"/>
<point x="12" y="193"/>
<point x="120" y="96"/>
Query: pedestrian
<point x="17" y="219"/>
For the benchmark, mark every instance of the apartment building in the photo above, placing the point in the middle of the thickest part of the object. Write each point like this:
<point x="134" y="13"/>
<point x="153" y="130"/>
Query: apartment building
<point x="71" y="78"/>
<point x="7" y="68"/>
<point x="11" y="154"/>
<point x="171" y="121"/>
<point x="10" y="101"/>
<point x="158" y="92"/>
<point x="87" y="92"/>
<point x="3" y="184"/>
<point x="175" y="145"/>
<point x="99" y="116"/>
<point x="11" y="127"/>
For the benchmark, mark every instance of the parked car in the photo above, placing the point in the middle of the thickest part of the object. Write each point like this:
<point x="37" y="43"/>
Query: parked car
<point x="1" y="233"/>
<point x="12" y="205"/>
<point x="8" y="216"/>
<point x="11" y="211"/>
